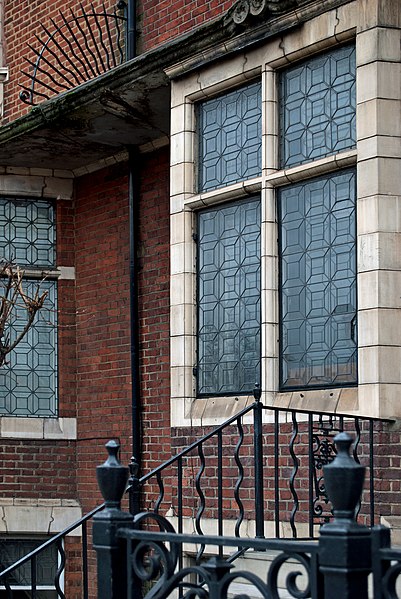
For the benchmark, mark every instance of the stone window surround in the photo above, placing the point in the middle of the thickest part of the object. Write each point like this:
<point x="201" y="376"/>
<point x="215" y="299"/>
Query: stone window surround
<point x="38" y="183"/>
<point x="376" y="394"/>
<point x="38" y="516"/>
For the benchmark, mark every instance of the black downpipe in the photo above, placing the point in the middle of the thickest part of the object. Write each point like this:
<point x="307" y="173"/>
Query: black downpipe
<point x="131" y="29"/>
<point x="133" y="194"/>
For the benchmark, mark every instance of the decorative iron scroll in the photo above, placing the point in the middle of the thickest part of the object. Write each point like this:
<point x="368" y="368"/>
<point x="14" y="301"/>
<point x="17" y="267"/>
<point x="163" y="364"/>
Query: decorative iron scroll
<point x="84" y="46"/>
<point x="245" y="9"/>
<point x="324" y="452"/>
<point x="154" y="558"/>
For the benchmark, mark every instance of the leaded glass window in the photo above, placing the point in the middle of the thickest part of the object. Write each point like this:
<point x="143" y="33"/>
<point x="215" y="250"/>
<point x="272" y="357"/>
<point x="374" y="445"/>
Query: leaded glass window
<point x="229" y="298"/>
<point x="230" y="137"/>
<point x="13" y="549"/>
<point x="317" y="104"/>
<point x="318" y="282"/>
<point x="28" y="382"/>
<point x="27" y="234"/>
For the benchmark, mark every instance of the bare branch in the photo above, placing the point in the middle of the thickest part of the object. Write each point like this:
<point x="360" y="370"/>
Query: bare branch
<point x="15" y="298"/>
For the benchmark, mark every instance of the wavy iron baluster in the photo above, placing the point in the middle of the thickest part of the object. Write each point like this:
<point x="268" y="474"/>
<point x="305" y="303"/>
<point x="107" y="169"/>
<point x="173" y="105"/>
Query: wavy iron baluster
<point x="357" y="440"/>
<point x="240" y="477"/>
<point x="60" y="569"/>
<point x="202" y="503"/>
<point x="160" y="484"/>
<point x="356" y="458"/>
<point x="293" y="475"/>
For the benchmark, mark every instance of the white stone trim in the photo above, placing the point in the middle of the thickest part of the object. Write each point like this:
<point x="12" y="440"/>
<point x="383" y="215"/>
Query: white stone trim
<point x="38" y="516"/>
<point x="20" y="181"/>
<point x="378" y="160"/>
<point x="19" y="427"/>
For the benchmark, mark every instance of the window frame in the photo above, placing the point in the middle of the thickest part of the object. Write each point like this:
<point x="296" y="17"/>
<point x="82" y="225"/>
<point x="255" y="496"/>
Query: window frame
<point x="267" y="61"/>
<point x="35" y="273"/>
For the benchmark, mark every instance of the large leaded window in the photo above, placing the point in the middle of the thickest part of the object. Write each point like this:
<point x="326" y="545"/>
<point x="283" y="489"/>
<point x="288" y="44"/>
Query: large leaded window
<point x="229" y="298"/>
<point x="317" y="226"/>
<point x="263" y="229"/>
<point x="229" y="129"/>
<point x="318" y="282"/>
<point x="28" y="382"/>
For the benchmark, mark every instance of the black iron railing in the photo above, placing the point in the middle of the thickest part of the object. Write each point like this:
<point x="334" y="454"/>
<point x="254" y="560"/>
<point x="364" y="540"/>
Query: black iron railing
<point x="264" y="465"/>
<point x="140" y="557"/>
<point x="83" y="46"/>
<point x="259" y="474"/>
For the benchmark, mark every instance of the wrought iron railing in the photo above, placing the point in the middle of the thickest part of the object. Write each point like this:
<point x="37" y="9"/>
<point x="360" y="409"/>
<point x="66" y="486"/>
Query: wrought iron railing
<point x="259" y="474"/>
<point x="140" y="557"/>
<point x="83" y="46"/>
<point x="260" y="470"/>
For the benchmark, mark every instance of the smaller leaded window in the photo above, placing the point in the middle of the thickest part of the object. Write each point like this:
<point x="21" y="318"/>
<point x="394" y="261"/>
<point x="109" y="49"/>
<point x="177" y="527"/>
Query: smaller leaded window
<point x="229" y="298"/>
<point x="230" y="137"/>
<point x="20" y="580"/>
<point x="317" y="106"/>
<point x="28" y="382"/>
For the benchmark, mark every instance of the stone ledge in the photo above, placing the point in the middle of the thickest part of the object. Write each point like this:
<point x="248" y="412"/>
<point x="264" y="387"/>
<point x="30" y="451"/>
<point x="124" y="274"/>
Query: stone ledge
<point x="38" y="428"/>
<point x="32" y="516"/>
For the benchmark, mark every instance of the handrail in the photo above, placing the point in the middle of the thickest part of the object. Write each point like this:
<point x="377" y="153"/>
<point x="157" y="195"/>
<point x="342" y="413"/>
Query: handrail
<point x="51" y="541"/>
<point x="315" y="462"/>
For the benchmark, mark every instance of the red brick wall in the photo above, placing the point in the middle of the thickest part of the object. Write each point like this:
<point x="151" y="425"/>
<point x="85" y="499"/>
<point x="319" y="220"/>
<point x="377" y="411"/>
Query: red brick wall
<point x="33" y="469"/>
<point x="103" y="325"/>
<point x="163" y="21"/>
<point x="103" y="336"/>
<point x="154" y="306"/>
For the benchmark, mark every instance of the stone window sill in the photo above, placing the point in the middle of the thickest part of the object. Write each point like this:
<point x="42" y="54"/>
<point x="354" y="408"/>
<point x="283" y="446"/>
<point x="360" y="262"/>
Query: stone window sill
<point x="38" y="428"/>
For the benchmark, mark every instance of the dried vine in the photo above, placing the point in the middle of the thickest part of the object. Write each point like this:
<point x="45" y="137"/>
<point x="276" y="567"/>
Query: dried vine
<point x="12" y="299"/>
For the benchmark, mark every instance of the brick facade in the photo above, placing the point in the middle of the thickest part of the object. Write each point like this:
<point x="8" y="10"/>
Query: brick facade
<point x="94" y="353"/>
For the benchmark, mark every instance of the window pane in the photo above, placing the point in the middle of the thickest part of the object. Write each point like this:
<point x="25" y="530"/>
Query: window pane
<point x="229" y="298"/>
<point x="317" y="103"/>
<point x="318" y="282"/>
<point x="27" y="232"/>
<point x="28" y="382"/>
<point x="11" y="550"/>
<point x="230" y="137"/>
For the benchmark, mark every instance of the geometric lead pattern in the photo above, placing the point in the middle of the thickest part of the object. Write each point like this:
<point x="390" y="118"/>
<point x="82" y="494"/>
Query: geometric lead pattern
<point x="27" y="232"/>
<point x="317" y="105"/>
<point x="229" y="298"/>
<point x="318" y="282"/>
<point x="230" y="137"/>
<point x="28" y="382"/>
<point x="11" y="550"/>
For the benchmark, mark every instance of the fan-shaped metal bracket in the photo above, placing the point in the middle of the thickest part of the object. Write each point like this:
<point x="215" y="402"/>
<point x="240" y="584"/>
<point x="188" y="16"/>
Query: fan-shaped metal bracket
<point x="85" y="45"/>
